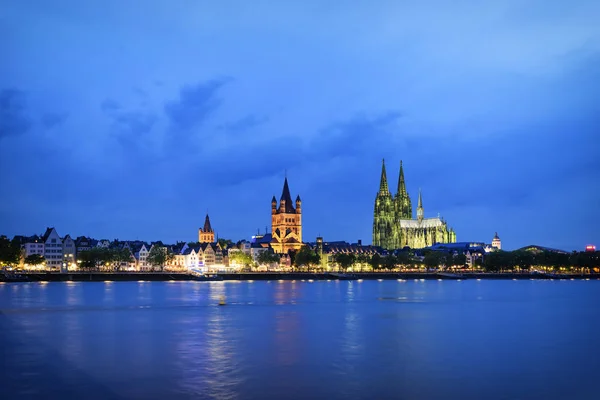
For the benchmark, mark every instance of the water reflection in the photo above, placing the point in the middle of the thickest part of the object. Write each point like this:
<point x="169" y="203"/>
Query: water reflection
<point x="301" y="340"/>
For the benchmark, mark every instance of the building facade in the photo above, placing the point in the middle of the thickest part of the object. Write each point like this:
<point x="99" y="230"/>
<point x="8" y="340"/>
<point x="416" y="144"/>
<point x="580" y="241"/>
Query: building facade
<point x="286" y="222"/>
<point x="206" y="234"/>
<point x="496" y="243"/>
<point x="53" y="252"/>
<point x="393" y="223"/>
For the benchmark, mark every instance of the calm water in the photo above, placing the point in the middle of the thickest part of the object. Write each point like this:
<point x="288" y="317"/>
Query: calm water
<point x="301" y="340"/>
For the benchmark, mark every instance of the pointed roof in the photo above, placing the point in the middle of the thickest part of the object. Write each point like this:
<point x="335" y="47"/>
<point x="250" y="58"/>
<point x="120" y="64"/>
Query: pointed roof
<point x="274" y="200"/>
<point x="496" y="236"/>
<point x="207" y="227"/>
<point x="420" y="200"/>
<point x="401" y="183"/>
<point x="383" y="185"/>
<point x="298" y="198"/>
<point x="285" y="195"/>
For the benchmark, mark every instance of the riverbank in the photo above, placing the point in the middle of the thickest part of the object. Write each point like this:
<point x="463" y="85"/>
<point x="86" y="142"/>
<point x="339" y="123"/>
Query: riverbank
<point x="270" y="276"/>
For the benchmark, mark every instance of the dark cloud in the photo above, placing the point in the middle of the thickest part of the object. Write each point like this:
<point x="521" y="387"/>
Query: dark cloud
<point x="245" y="123"/>
<point x="136" y="123"/>
<point x="355" y="136"/>
<point x="260" y="159"/>
<point x="194" y="105"/>
<point x="110" y="106"/>
<point x="51" y="120"/>
<point x="14" y="120"/>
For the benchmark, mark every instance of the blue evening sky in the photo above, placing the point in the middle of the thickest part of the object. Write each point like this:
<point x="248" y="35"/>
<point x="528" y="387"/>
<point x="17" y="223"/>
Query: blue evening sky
<point x="130" y="119"/>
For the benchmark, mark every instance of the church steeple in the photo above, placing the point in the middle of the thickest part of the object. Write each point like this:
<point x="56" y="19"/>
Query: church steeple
<point x="402" y="201"/>
<point x="207" y="227"/>
<point x="420" y="207"/>
<point x="383" y="184"/>
<point x="401" y="183"/>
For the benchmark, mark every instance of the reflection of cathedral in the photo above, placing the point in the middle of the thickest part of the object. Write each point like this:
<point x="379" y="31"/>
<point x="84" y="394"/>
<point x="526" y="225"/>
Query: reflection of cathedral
<point x="394" y="226"/>
<point x="286" y="222"/>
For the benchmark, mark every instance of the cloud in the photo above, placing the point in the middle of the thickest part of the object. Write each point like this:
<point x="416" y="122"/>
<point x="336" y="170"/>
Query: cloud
<point x="136" y="123"/>
<point x="253" y="159"/>
<point x="194" y="105"/>
<point x="139" y="91"/>
<point x="110" y="106"/>
<point x="248" y="122"/>
<point x="14" y="120"/>
<point x="51" y="120"/>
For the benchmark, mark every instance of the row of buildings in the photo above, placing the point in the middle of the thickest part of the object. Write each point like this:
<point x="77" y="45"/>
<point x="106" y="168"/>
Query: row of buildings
<point x="394" y="229"/>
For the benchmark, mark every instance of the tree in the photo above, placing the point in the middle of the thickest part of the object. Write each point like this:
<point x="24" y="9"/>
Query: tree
<point x="433" y="259"/>
<point x="306" y="257"/>
<point x="404" y="259"/>
<point x="10" y="251"/>
<point x="267" y="257"/>
<point x="241" y="258"/>
<point x="224" y="243"/>
<point x="523" y="259"/>
<point x="459" y="260"/>
<point x="119" y="256"/>
<point x="344" y="260"/>
<point x="389" y="262"/>
<point x="159" y="256"/>
<point x="34" y="259"/>
<point x="375" y="261"/>
<point x="92" y="258"/>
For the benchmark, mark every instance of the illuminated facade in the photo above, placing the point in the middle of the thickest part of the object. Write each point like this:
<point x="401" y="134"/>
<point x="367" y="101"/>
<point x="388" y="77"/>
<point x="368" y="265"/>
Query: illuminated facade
<point x="394" y="226"/>
<point x="206" y="234"/>
<point x="496" y="243"/>
<point x="286" y="222"/>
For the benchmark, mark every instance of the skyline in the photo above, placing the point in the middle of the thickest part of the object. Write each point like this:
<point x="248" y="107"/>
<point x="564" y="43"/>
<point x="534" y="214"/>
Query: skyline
<point x="116" y="126"/>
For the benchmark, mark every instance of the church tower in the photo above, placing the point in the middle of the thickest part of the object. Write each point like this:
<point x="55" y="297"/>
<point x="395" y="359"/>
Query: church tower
<point x="384" y="234"/>
<point x="402" y="202"/>
<point x="206" y="234"/>
<point x="286" y="222"/>
<point x="420" y="211"/>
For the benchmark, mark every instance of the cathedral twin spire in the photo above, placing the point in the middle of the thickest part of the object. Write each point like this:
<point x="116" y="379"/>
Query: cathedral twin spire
<point x="383" y="184"/>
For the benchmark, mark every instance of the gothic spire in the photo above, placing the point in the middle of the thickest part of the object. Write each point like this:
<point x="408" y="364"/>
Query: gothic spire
<point x="383" y="185"/>
<point x="401" y="183"/>
<point x="207" y="227"/>
<point x="285" y="195"/>
<point x="420" y="207"/>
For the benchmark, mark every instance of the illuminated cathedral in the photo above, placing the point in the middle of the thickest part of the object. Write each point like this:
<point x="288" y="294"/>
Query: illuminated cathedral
<point x="394" y="226"/>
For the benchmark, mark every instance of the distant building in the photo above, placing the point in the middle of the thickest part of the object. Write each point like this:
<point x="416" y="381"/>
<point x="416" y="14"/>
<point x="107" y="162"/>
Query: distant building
<point x="69" y="251"/>
<point x="328" y="250"/>
<point x="31" y="245"/>
<point x="590" y="248"/>
<point x="53" y="251"/>
<point x="540" y="249"/>
<point x="286" y="222"/>
<point x="393" y="223"/>
<point x="140" y="252"/>
<point x="83" y="243"/>
<point x="206" y="234"/>
<point x="496" y="243"/>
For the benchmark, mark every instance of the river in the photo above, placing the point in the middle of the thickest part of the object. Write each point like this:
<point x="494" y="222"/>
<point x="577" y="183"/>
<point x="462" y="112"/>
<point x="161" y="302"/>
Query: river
<point x="301" y="340"/>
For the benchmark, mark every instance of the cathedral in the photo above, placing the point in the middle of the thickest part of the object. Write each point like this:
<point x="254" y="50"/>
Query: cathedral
<point x="393" y="223"/>
<point x="286" y="222"/>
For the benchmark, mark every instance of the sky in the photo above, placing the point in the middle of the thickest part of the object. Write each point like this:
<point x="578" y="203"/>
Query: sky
<point x="133" y="119"/>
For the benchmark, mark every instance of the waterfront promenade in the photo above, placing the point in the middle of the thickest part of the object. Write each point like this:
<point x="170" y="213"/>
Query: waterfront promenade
<point x="269" y="276"/>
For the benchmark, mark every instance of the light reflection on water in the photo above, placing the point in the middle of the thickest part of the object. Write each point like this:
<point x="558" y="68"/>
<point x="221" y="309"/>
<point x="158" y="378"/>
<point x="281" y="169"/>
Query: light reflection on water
<point x="293" y="339"/>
